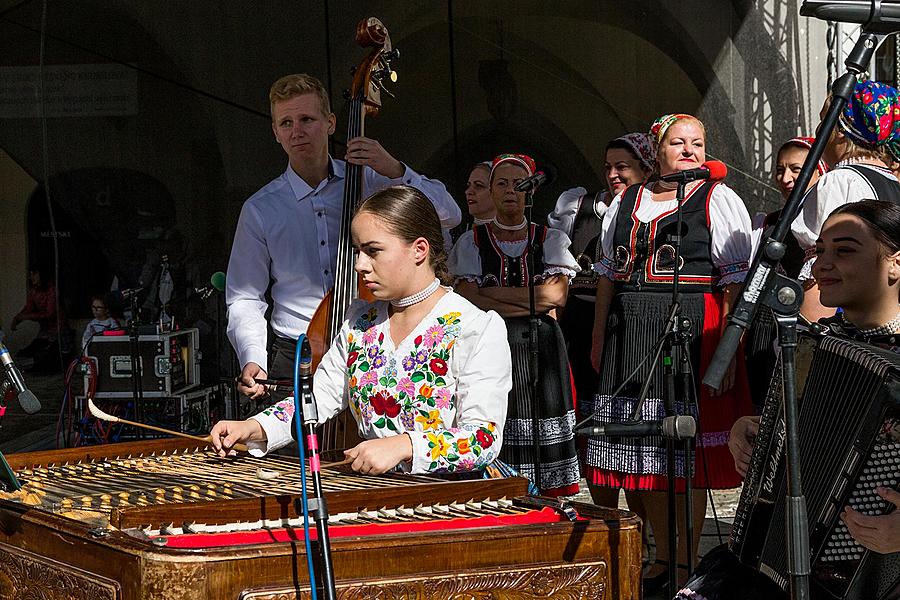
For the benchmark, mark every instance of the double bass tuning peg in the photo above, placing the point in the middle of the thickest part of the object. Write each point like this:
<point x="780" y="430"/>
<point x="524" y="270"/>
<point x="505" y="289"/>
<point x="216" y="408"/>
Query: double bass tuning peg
<point x="384" y="89"/>
<point x="392" y="55"/>
<point x="386" y="72"/>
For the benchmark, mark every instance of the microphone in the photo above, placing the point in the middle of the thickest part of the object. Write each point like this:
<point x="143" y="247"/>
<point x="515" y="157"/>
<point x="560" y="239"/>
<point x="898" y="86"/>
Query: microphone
<point x="27" y="400"/>
<point x="216" y="284"/>
<point x="875" y="17"/>
<point x="678" y="428"/>
<point x="532" y="183"/>
<point x="711" y="169"/>
<point x="308" y="401"/>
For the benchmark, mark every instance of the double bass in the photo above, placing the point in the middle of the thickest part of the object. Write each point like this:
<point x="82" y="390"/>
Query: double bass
<point x="365" y="101"/>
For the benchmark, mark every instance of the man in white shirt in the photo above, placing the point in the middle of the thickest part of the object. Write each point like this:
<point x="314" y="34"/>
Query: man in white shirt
<point x="287" y="234"/>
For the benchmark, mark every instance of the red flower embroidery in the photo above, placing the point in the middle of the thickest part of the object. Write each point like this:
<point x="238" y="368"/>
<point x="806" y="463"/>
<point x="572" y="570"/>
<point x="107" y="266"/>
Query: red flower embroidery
<point x="418" y="340"/>
<point x="351" y="358"/>
<point x="485" y="439"/>
<point x="385" y="404"/>
<point x="380" y="337"/>
<point x="438" y="366"/>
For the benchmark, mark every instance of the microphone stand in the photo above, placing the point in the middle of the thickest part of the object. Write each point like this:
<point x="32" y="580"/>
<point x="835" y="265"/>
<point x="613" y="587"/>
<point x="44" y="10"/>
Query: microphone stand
<point x="676" y="335"/>
<point x="785" y="295"/>
<point x="676" y="343"/>
<point x="533" y="325"/>
<point x="305" y="411"/>
<point x="137" y="375"/>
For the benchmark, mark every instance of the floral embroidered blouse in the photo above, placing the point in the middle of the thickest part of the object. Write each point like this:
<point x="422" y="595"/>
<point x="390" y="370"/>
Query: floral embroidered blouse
<point x="445" y="384"/>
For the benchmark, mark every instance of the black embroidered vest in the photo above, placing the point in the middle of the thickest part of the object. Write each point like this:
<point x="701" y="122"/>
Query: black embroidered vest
<point x="498" y="269"/>
<point x="883" y="187"/>
<point x="585" y="245"/>
<point x="644" y="254"/>
<point x="587" y="223"/>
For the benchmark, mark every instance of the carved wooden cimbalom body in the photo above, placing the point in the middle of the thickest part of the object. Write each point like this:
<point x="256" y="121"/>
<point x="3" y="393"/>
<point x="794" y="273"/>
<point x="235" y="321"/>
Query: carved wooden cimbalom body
<point x="164" y="521"/>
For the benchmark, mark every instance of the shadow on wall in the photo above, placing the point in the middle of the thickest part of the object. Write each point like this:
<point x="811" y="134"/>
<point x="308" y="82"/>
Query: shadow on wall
<point x="109" y="223"/>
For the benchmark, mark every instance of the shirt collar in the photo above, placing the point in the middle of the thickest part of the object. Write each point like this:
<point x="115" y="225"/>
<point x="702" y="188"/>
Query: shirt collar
<point x="302" y="189"/>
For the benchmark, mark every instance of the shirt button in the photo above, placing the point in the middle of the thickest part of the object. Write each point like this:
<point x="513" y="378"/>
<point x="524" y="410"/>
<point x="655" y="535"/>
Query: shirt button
<point x="319" y="214"/>
<point x="322" y="242"/>
<point x="325" y="271"/>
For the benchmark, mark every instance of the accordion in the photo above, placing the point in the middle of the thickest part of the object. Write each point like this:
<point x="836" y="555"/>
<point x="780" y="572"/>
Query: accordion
<point x="849" y="427"/>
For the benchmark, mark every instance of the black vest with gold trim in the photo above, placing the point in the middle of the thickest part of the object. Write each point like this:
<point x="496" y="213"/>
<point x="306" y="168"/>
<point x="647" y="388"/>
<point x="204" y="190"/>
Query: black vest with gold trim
<point x="498" y="269"/>
<point x="644" y="254"/>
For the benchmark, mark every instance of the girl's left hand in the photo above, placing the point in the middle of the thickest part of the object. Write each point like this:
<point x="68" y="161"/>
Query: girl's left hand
<point x="374" y="457"/>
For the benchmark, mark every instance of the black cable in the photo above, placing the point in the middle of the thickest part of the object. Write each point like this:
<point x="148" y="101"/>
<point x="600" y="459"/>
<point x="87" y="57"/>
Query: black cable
<point x="328" y="50"/>
<point x="45" y="150"/>
<point x="136" y="68"/>
<point x="453" y="102"/>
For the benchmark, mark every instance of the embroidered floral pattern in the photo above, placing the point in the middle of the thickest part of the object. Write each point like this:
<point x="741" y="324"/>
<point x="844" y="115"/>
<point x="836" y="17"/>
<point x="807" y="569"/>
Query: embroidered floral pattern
<point x="416" y="397"/>
<point x="283" y="411"/>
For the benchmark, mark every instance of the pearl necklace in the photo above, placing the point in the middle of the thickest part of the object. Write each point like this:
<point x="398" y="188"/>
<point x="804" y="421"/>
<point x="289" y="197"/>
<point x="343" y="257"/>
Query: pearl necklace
<point x="887" y="329"/>
<point x="418" y="296"/>
<point x="500" y="225"/>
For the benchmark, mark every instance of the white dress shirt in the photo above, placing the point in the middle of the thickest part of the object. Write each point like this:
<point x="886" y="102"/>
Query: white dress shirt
<point x="446" y="384"/>
<point x="287" y="235"/>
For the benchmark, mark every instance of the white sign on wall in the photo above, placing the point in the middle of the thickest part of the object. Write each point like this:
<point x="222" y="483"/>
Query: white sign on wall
<point x="102" y="90"/>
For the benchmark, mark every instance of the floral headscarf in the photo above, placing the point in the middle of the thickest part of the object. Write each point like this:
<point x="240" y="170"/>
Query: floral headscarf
<point x="522" y="160"/>
<point x="872" y="116"/>
<point x="662" y="124"/>
<point x="807" y="143"/>
<point x="642" y="146"/>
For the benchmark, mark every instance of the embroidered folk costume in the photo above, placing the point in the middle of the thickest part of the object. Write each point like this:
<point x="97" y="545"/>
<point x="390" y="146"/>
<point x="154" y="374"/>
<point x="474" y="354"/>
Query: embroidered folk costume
<point x="638" y="257"/>
<point x="481" y="258"/>
<point x="445" y="385"/>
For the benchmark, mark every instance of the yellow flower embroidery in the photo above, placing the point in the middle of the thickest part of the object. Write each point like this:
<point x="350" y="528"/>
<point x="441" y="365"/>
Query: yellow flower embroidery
<point x="426" y="391"/>
<point x="439" y="446"/>
<point x="463" y="446"/>
<point x="432" y="421"/>
<point x="350" y="338"/>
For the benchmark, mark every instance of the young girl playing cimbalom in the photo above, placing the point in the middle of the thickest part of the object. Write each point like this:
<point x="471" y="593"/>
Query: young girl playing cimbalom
<point x="425" y="373"/>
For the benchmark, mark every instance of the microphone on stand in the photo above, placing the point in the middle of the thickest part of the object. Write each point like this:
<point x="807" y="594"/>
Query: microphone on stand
<point x="534" y="182"/>
<point x="307" y="400"/>
<point x="27" y="400"/>
<point x="711" y="169"/>
<point x="876" y="17"/>
<point x="679" y="427"/>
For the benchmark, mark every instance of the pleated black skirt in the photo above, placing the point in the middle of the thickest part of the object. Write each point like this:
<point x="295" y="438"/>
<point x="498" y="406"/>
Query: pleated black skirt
<point x="555" y="411"/>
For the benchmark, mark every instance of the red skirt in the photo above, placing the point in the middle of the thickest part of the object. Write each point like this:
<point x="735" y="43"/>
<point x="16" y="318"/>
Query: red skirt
<point x="713" y="463"/>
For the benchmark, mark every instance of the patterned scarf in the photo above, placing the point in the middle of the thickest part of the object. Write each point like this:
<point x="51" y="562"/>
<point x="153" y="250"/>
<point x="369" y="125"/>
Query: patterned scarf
<point x="872" y="117"/>
<point x="642" y="146"/>
<point x="662" y="124"/>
